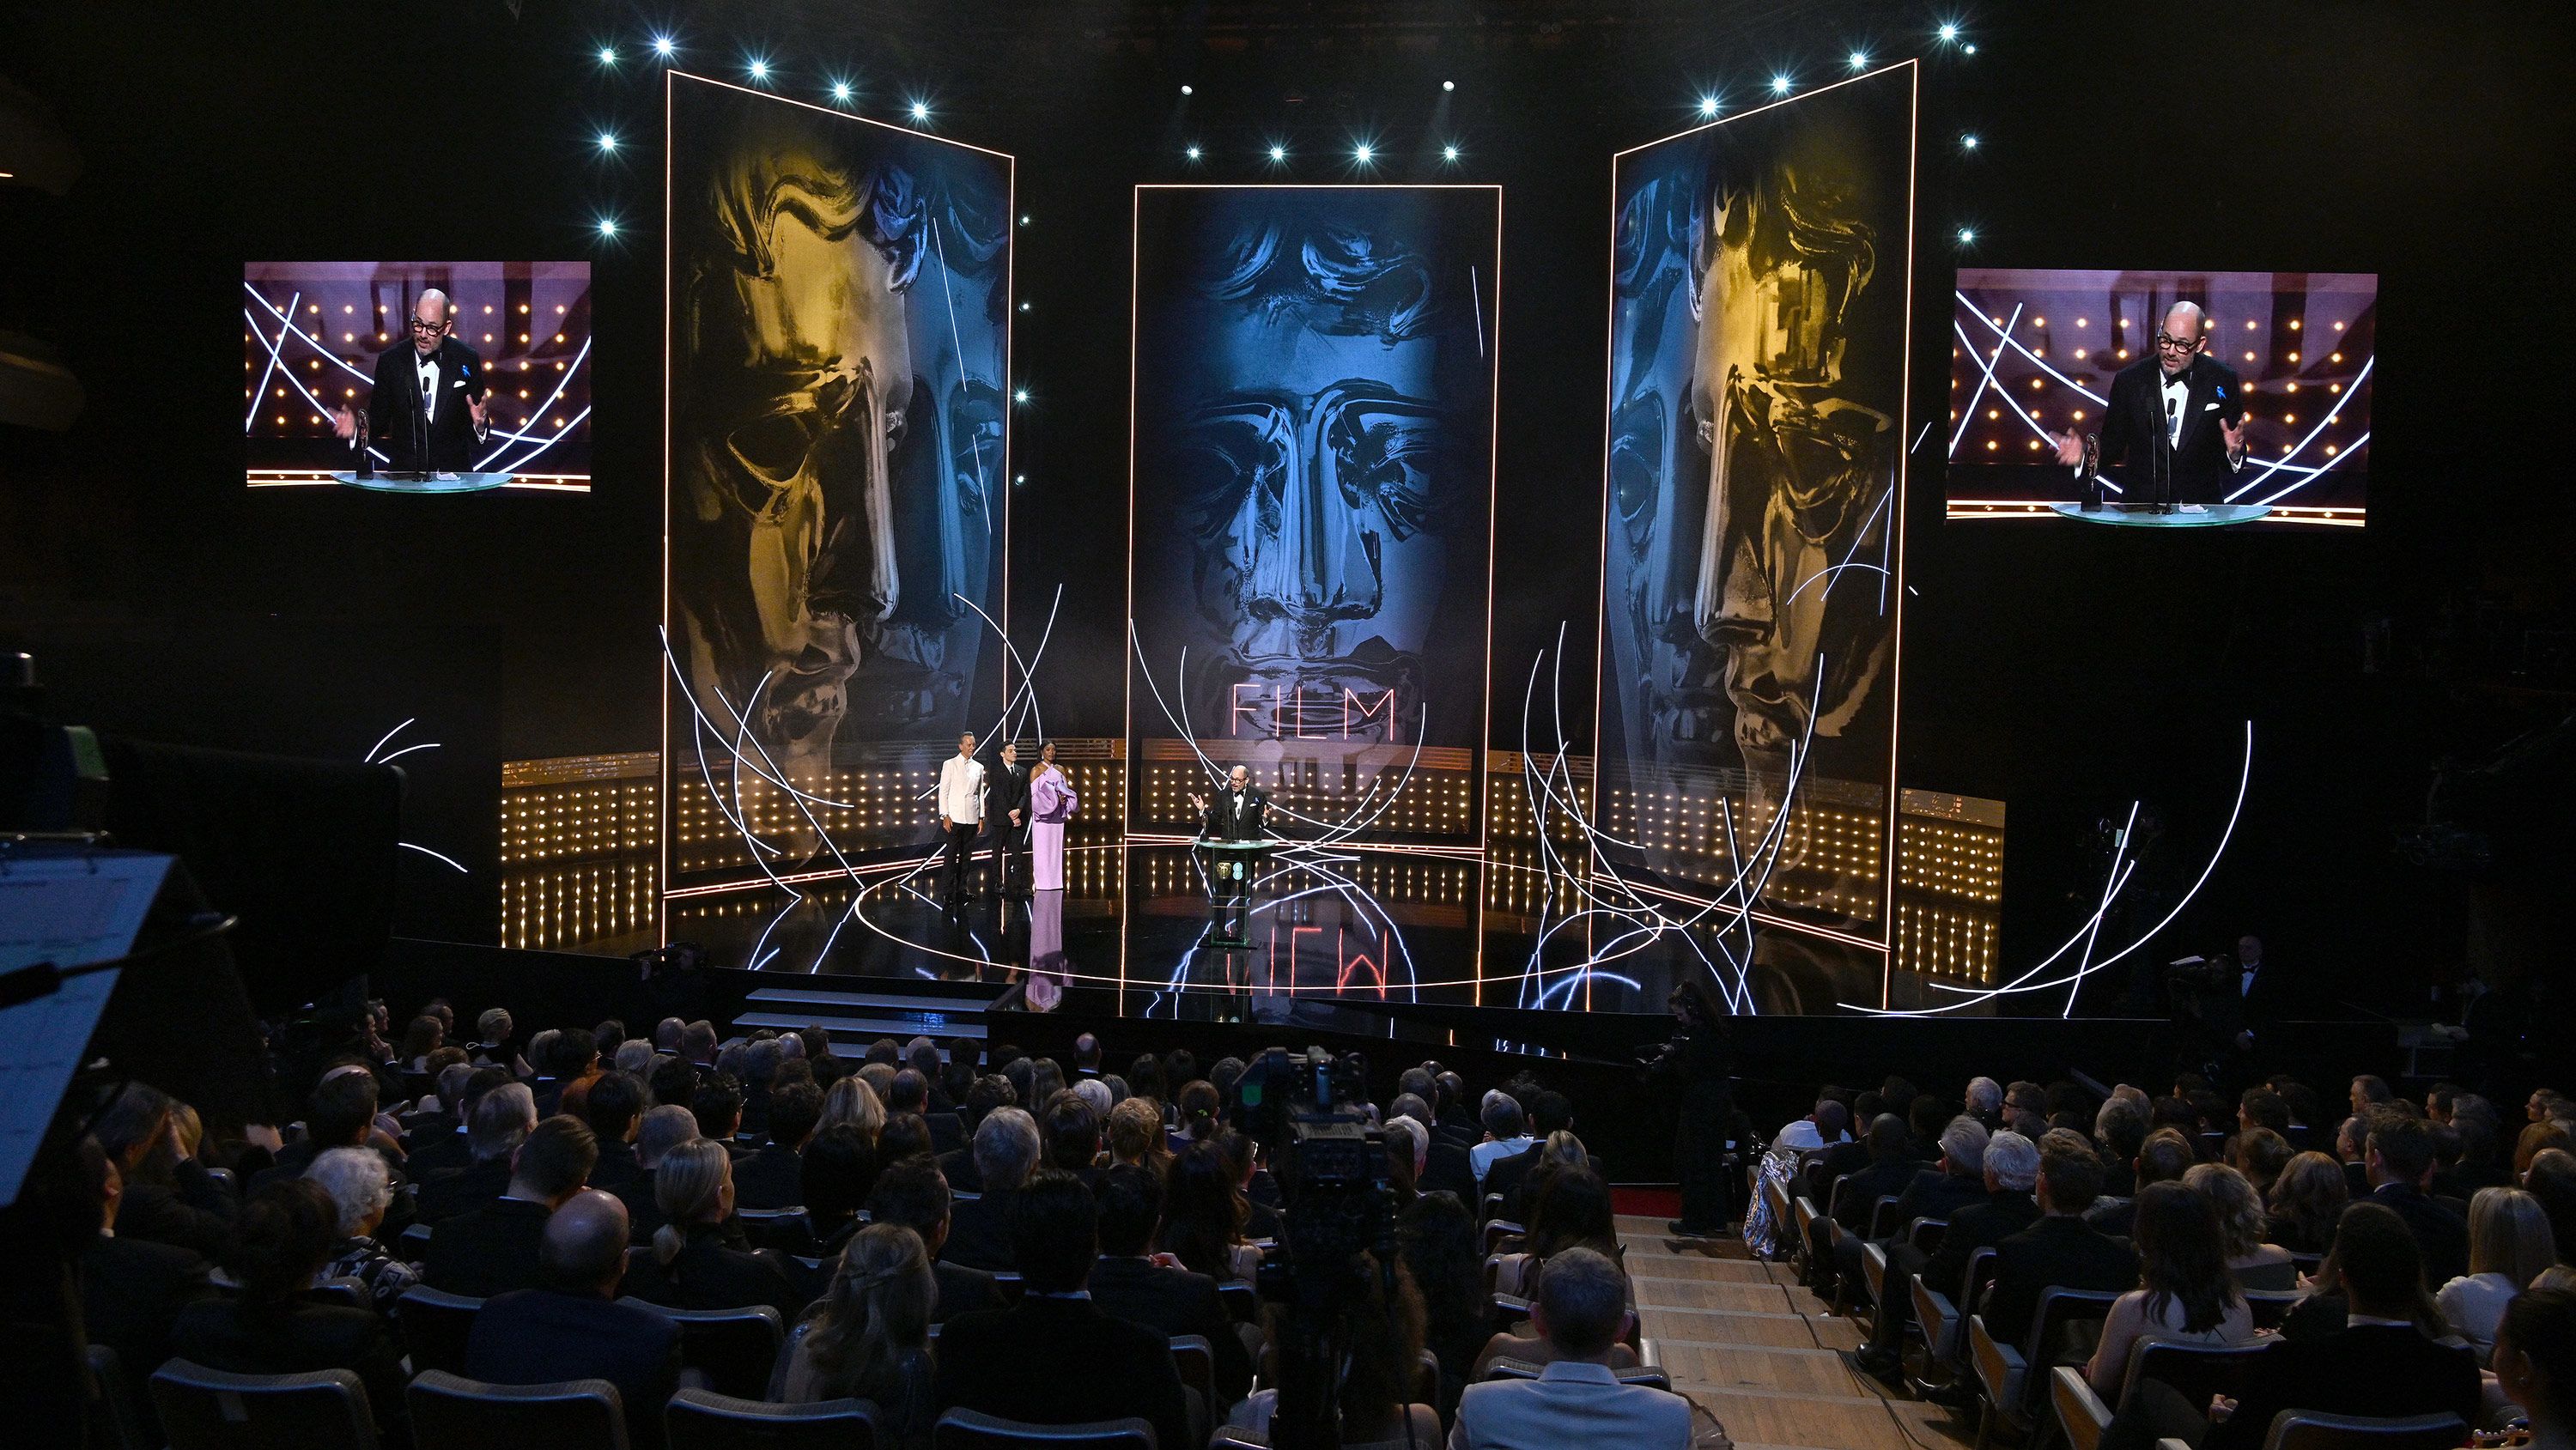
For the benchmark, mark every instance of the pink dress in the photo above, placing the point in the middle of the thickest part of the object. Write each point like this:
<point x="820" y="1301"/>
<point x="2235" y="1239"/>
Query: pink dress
<point x="1051" y="803"/>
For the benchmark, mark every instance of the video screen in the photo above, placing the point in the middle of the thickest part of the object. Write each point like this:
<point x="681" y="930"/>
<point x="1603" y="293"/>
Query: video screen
<point x="417" y="377"/>
<point x="2169" y="399"/>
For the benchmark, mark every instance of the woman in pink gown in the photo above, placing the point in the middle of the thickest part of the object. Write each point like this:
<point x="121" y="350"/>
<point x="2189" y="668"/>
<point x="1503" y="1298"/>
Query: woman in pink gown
<point x="1051" y="803"/>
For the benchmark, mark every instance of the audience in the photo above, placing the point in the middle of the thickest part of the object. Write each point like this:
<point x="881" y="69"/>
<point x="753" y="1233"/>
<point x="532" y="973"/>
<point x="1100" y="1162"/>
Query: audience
<point x="1006" y="1151"/>
<point x="2256" y="1263"/>
<point x="1130" y="1284"/>
<point x="2510" y="1243"/>
<point x="1374" y="1317"/>
<point x="271" y="1323"/>
<point x="493" y="1249"/>
<point x="696" y="1262"/>
<point x="2307" y="1200"/>
<point x="774" y="1176"/>
<point x="2011" y="1169"/>
<point x="2061" y="1250"/>
<point x="869" y="1337"/>
<point x="2185" y="1291"/>
<point x="360" y="1190"/>
<point x="1204" y="1212"/>
<point x="2535" y="1364"/>
<point x="131" y="1288"/>
<point x="571" y="1324"/>
<point x="501" y="1120"/>
<point x="1580" y="1316"/>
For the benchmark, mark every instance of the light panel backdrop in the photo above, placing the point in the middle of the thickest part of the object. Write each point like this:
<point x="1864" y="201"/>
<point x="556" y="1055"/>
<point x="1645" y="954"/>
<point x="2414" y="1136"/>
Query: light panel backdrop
<point x="1752" y="578"/>
<point x="1311" y="506"/>
<point x="837" y="470"/>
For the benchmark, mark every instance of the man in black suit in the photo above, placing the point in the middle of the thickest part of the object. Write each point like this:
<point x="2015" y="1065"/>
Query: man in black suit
<point x="1888" y="1173"/>
<point x="1006" y="815"/>
<point x="912" y="1193"/>
<point x="2011" y="1170"/>
<point x="1958" y="1180"/>
<point x="2380" y="1364"/>
<point x="2400" y="1163"/>
<point x="428" y="409"/>
<point x="2164" y="1157"/>
<point x="1006" y="1151"/>
<point x="1172" y="1301"/>
<point x="503" y="1118"/>
<point x="614" y="1107"/>
<point x="1238" y="811"/>
<point x="493" y="1249"/>
<point x="2061" y="1251"/>
<point x="2175" y="424"/>
<point x="131" y="1288"/>
<point x="571" y="1324"/>
<point x="1550" y="1112"/>
<point x="774" y="1177"/>
<point x="1056" y="1357"/>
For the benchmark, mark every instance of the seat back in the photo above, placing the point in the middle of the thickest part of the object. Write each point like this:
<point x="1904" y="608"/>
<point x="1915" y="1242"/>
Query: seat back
<point x="1882" y="1216"/>
<point x="735" y="1348"/>
<point x="2310" y="1430"/>
<point x="2059" y="1309"/>
<point x="973" y="1430"/>
<point x="449" y="1409"/>
<point x="345" y="1292"/>
<point x="121" y="1408"/>
<point x="436" y="1326"/>
<point x="704" y="1420"/>
<point x="1196" y="1360"/>
<point x="2197" y="1370"/>
<point x="1242" y="1305"/>
<point x="212" y="1409"/>
<point x="783" y="1229"/>
<point x="1925" y="1233"/>
<point x="2270" y="1306"/>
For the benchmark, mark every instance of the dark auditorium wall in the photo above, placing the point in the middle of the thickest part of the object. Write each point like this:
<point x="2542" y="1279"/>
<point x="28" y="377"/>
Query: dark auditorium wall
<point x="2064" y="671"/>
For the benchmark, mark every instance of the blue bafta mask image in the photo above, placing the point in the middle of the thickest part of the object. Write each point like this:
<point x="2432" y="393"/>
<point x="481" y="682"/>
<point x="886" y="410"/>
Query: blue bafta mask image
<point x="1319" y="465"/>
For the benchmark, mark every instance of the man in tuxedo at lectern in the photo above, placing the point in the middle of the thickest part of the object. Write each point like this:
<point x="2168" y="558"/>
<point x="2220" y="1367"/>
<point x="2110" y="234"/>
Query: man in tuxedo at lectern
<point x="2174" y="426"/>
<point x="428" y="410"/>
<point x="1237" y="812"/>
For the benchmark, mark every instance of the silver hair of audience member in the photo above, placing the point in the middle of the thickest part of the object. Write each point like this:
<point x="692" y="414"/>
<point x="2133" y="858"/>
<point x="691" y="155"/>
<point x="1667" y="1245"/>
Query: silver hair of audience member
<point x="663" y="1129"/>
<point x="1119" y="1092"/>
<point x="2014" y="1160"/>
<point x="541" y="1046"/>
<point x="358" y="1182"/>
<point x="493" y="1026"/>
<point x="1416" y="1134"/>
<point x="1585" y="1298"/>
<point x="733" y="1057"/>
<point x="451" y="1084"/>
<point x="1095" y="1092"/>
<point x="1963" y="1142"/>
<point x="635" y="1055"/>
<point x="1984" y="1096"/>
<point x="502" y="1121"/>
<point x="1006" y="1148"/>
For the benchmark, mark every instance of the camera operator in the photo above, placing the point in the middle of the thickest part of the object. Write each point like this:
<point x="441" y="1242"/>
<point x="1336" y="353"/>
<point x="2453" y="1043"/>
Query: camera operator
<point x="2225" y="1007"/>
<point x="1693" y="1067"/>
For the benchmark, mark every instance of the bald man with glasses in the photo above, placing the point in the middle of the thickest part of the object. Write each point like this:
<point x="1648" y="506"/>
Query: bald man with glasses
<point x="2174" y="426"/>
<point x="428" y="411"/>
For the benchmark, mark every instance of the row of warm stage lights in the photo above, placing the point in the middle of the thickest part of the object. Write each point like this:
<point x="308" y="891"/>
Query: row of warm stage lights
<point x="1364" y="154"/>
<point x="2209" y="332"/>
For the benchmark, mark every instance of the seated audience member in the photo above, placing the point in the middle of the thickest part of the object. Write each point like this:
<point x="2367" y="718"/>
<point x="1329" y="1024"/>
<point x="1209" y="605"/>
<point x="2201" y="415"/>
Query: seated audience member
<point x="661" y="1129"/>
<point x="2400" y="1163"/>
<point x="1129" y="1284"/>
<point x="717" y="1105"/>
<point x="429" y="1156"/>
<point x="1377" y="1321"/>
<point x="1952" y="1183"/>
<point x="1006" y="1152"/>
<point x="2381" y="1364"/>
<point x="912" y="1193"/>
<point x="2011" y="1169"/>
<point x="2306" y="1202"/>
<point x="634" y="1057"/>
<point x="852" y="1101"/>
<point x="2164" y="1157"/>
<point x="1204" y="1213"/>
<point x="1580" y="1315"/>
<point x="834" y="1176"/>
<point x="2535" y="1364"/>
<point x="983" y="1096"/>
<point x="493" y="1249"/>
<point x="503" y="1118"/>
<point x="2552" y="1179"/>
<point x="2510" y="1242"/>
<point x="674" y="1082"/>
<point x="2241" y="1219"/>
<point x="2061" y="1250"/>
<point x="614" y="1107"/>
<point x="1057" y="1358"/>
<point x="1261" y="1191"/>
<point x="2185" y="1292"/>
<point x="1574" y="1211"/>
<point x="131" y="1288"/>
<point x="1136" y="1136"/>
<point x="1888" y="1173"/>
<point x="868" y="1338"/>
<point x="903" y="1135"/>
<point x="1506" y="1133"/>
<point x="1072" y="1136"/>
<point x="359" y="1188"/>
<point x="570" y="1061"/>
<point x="341" y="1114"/>
<point x="2119" y="1131"/>
<point x="1095" y="1091"/>
<point x="273" y="1324"/>
<point x="2260" y="1154"/>
<point x="1550" y="1113"/>
<point x="692" y="1265"/>
<point x="571" y="1325"/>
<point x="1444" y="1253"/>
<point x="908" y="1093"/>
<point x="1822" y="1127"/>
<point x="434" y="1114"/>
<point x="774" y="1177"/>
<point x="1194" y="1114"/>
<point x="492" y="1045"/>
<point x="1408" y="1149"/>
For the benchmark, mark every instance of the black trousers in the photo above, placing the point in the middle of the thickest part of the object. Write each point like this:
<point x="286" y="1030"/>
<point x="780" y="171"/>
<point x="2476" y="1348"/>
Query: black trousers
<point x="961" y="858"/>
<point x="1896" y="1305"/>
<point x="1010" y="854"/>
<point x="1699" y="1154"/>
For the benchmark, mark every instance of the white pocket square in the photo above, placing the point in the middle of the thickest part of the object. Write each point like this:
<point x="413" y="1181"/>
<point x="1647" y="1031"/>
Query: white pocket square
<point x="2205" y="407"/>
<point x="460" y="382"/>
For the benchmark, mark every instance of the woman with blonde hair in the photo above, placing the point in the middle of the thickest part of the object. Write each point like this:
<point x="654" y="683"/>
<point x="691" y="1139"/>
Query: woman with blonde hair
<point x="697" y="1261"/>
<point x="853" y="1101"/>
<point x="2241" y="1226"/>
<point x="2510" y="1243"/>
<point x="1136" y="1136"/>
<point x="869" y="1336"/>
<point x="2307" y="1199"/>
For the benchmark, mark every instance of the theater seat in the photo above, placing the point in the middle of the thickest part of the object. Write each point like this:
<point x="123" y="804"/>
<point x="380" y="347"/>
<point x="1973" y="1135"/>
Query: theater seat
<point x="435" y="1326"/>
<point x="2310" y="1430"/>
<point x="120" y="1403"/>
<point x="972" y="1430"/>
<point x="212" y="1409"/>
<point x="735" y="1348"/>
<point x="704" y="1420"/>
<point x="451" y="1410"/>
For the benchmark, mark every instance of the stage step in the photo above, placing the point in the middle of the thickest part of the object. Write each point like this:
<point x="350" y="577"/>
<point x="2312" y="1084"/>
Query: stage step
<point x="870" y="1008"/>
<point x="979" y="999"/>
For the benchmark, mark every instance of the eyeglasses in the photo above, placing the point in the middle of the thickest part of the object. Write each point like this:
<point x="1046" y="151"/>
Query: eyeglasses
<point x="2167" y="342"/>
<point x="432" y="327"/>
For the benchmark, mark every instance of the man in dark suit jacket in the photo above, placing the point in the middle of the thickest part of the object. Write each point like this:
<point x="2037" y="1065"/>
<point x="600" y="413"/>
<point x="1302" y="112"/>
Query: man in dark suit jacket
<point x="1236" y="813"/>
<point x="774" y="1177"/>
<point x="1935" y="1193"/>
<point x="493" y="1249"/>
<point x="912" y="1193"/>
<point x="572" y="1325"/>
<point x="1128" y="1283"/>
<point x="2061" y="1251"/>
<point x="2012" y="1168"/>
<point x="132" y="1288"/>
<point x="1006" y="815"/>
<point x="2400" y="1163"/>
<point x="1056" y="1357"/>
<point x="427" y="409"/>
<point x="1006" y="1151"/>
<point x="501" y="1120"/>
<point x="2174" y="425"/>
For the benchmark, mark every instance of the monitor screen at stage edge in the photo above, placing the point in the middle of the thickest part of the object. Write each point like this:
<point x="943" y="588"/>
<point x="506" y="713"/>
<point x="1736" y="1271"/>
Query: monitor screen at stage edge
<point x="457" y="377"/>
<point x="2264" y="397"/>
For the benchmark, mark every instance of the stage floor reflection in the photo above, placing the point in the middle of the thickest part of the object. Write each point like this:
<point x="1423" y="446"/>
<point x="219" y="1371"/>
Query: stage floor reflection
<point x="1332" y="936"/>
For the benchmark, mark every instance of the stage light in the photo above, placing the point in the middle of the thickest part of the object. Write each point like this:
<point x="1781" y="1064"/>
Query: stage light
<point x="1708" y="105"/>
<point x="662" y="46"/>
<point x="1968" y="142"/>
<point x="921" y="110"/>
<point x="759" y="69"/>
<point x="1019" y="395"/>
<point x="1859" y="60"/>
<point x="1185" y="90"/>
<point x="1192" y="153"/>
<point x="1024" y="219"/>
<point x="607" y="141"/>
<point x="607" y="55"/>
<point x="1448" y="85"/>
<point x="1024" y="307"/>
<point x="841" y="91"/>
<point x="1278" y="152"/>
<point x="1970" y="48"/>
<point x="1019" y="478"/>
<point x="1949" y="31"/>
<point x="608" y="226"/>
<point x="1779" y="85"/>
<point x="1966" y="236"/>
<point x="1364" y="153"/>
<point x="1448" y="153"/>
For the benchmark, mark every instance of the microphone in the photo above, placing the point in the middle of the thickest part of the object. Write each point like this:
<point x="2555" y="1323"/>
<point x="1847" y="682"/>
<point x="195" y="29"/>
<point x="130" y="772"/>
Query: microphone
<point x="2165" y="496"/>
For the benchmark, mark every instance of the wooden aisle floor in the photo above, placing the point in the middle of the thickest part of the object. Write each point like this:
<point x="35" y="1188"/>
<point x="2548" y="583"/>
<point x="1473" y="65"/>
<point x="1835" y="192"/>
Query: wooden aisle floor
<point x="1765" y="1355"/>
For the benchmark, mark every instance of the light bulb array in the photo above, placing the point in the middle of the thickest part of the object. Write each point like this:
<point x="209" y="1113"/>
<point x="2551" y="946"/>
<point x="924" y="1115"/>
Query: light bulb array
<point x="1435" y="802"/>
